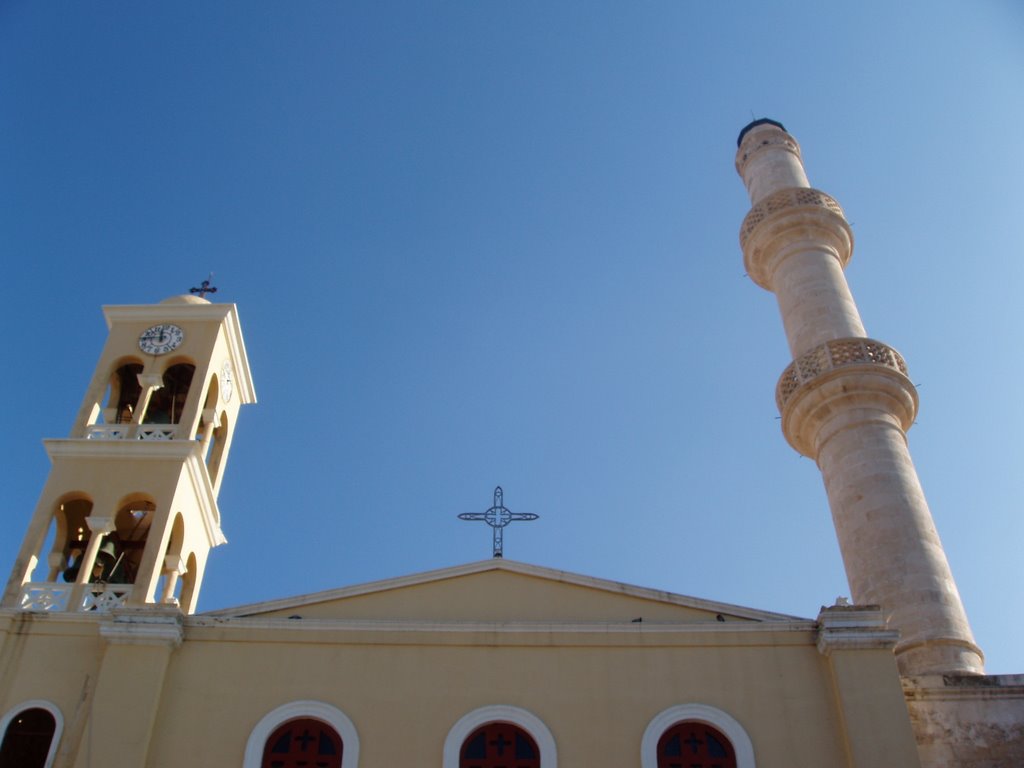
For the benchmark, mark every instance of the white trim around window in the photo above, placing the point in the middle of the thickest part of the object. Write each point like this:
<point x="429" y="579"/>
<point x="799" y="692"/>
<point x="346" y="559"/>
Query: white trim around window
<point x="703" y="713"/>
<point x="500" y="713"/>
<point x="58" y="723"/>
<point x="293" y="711"/>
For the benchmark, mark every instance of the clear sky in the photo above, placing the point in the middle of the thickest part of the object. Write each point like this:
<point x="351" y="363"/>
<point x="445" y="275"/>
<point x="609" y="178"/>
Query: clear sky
<point x="487" y="242"/>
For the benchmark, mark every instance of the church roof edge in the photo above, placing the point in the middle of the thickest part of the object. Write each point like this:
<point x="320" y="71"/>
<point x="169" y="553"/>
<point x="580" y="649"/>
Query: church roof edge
<point x="513" y="566"/>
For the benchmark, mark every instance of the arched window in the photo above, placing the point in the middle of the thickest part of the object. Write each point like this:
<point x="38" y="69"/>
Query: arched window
<point x="218" y="442"/>
<point x="71" y="538"/>
<point x="499" y="745"/>
<point x="695" y="736"/>
<point x="167" y="403"/>
<point x="692" y="744"/>
<point x="30" y="735"/>
<point x="499" y="736"/>
<point x="303" y="743"/>
<point x="123" y="393"/>
<point x="168" y="585"/>
<point x="187" y="595"/>
<point x="121" y="553"/>
<point x="303" y="733"/>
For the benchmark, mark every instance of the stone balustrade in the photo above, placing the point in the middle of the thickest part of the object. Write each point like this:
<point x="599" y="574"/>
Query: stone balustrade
<point x="831" y="355"/>
<point x="49" y="596"/>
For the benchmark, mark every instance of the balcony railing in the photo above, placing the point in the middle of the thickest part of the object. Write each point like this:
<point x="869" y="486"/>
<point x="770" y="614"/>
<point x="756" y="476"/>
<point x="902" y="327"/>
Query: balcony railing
<point x="108" y="431"/>
<point x="131" y="431"/>
<point x="45" y="597"/>
<point x="48" y="596"/>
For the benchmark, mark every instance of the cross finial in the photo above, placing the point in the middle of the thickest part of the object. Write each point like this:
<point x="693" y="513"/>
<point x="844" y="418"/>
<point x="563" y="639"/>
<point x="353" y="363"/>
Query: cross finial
<point x="204" y="287"/>
<point x="498" y="516"/>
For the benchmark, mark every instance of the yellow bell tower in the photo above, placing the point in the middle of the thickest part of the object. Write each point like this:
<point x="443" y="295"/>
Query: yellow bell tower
<point x="129" y="512"/>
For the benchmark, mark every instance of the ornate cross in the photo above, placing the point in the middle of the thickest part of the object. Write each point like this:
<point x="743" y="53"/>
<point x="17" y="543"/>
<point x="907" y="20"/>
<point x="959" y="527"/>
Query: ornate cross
<point x="498" y="517"/>
<point x="204" y="288"/>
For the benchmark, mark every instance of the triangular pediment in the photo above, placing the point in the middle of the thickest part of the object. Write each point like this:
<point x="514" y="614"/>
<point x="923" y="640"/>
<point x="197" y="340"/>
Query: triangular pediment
<point x="500" y="591"/>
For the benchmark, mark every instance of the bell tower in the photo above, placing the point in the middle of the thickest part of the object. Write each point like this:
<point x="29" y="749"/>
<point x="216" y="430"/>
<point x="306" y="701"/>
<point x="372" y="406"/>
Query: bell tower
<point x="847" y="403"/>
<point x="129" y="512"/>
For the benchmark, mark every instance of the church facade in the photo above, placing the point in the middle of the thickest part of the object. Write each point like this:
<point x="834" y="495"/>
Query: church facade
<point x="104" y="662"/>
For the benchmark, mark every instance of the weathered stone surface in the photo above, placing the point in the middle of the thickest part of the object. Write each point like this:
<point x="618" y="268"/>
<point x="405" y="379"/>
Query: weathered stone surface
<point x="967" y="721"/>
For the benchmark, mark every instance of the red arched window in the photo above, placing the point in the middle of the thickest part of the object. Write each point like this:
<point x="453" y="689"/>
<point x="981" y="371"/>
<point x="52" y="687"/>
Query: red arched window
<point x="499" y="745"/>
<point x="695" y="745"/>
<point x="27" y="740"/>
<point x="303" y="743"/>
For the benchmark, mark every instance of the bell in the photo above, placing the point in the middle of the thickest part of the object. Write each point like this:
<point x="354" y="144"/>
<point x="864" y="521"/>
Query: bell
<point x="106" y="562"/>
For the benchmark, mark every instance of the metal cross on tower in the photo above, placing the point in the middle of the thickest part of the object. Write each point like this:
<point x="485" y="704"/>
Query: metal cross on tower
<point x="498" y="516"/>
<point x="204" y="287"/>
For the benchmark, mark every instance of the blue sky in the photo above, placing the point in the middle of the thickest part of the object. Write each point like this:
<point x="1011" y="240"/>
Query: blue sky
<point x="476" y="243"/>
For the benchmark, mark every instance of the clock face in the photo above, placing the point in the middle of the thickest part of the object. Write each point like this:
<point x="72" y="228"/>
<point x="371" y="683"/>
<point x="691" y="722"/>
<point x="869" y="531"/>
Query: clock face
<point x="161" y="338"/>
<point x="227" y="381"/>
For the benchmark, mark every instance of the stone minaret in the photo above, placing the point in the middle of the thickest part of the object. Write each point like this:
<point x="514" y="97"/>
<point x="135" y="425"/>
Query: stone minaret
<point x="846" y="402"/>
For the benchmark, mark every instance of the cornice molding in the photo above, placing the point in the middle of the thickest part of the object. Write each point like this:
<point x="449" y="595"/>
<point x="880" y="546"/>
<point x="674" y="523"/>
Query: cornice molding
<point x="854" y="628"/>
<point x="510" y="566"/>
<point x="146" y="626"/>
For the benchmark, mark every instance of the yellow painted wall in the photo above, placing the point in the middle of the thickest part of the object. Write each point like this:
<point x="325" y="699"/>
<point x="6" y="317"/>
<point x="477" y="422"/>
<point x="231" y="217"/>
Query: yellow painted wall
<point x="405" y="686"/>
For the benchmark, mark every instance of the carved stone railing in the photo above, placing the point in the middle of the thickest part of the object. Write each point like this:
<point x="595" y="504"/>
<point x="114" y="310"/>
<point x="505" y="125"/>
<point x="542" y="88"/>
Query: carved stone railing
<point x="44" y="596"/>
<point x="48" y="596"/>
<point x="102" y="598"/>
<point x="793" y="197"/>
<point x="831" y="355"/>
<point x="129" y="431"/>
<point x="107" y="431"/>
<point x="157" y="431"/>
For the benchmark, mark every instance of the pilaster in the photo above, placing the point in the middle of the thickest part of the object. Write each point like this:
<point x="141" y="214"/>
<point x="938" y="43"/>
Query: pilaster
<point x="139" y="644"/>
<point x="858" y="648"/>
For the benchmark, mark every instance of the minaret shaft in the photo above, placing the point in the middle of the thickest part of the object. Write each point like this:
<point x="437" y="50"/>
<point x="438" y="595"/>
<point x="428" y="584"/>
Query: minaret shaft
<point x="814" y="299"/>
<point x="891" y="550"/>
<point x="846" y="402"/>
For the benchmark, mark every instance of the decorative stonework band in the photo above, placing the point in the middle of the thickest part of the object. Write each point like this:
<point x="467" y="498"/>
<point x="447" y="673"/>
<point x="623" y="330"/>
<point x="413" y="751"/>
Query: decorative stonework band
<point x="793" y="197"/>
<point x="831" y="355"/>
<point x="747" y="148"/>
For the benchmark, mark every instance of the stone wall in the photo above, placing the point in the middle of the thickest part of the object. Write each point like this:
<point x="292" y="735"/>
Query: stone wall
<point x="967" y="721"/>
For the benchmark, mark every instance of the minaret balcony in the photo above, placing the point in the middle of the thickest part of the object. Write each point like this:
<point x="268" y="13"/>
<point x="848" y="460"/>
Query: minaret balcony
<point x="132" y="431"/>
<point x="54" y="596"/>
<point x="843" y="379"/>
<point x="833" y="354"/>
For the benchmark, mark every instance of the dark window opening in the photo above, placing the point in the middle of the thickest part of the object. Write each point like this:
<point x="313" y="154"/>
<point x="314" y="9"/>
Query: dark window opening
<point x="695" y="745"/>
<point x="499" y="745"/>
<point x="120" y="552"/>
<point x="27" y="740"/>
<point x="303" y="743"/>
<point x="124" y="393"/>
<point x="77" y="533"/>
<point x="167" y="403"/>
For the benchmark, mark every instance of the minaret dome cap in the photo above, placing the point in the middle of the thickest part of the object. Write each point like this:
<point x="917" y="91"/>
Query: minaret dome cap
<point x="751" y="125"/>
